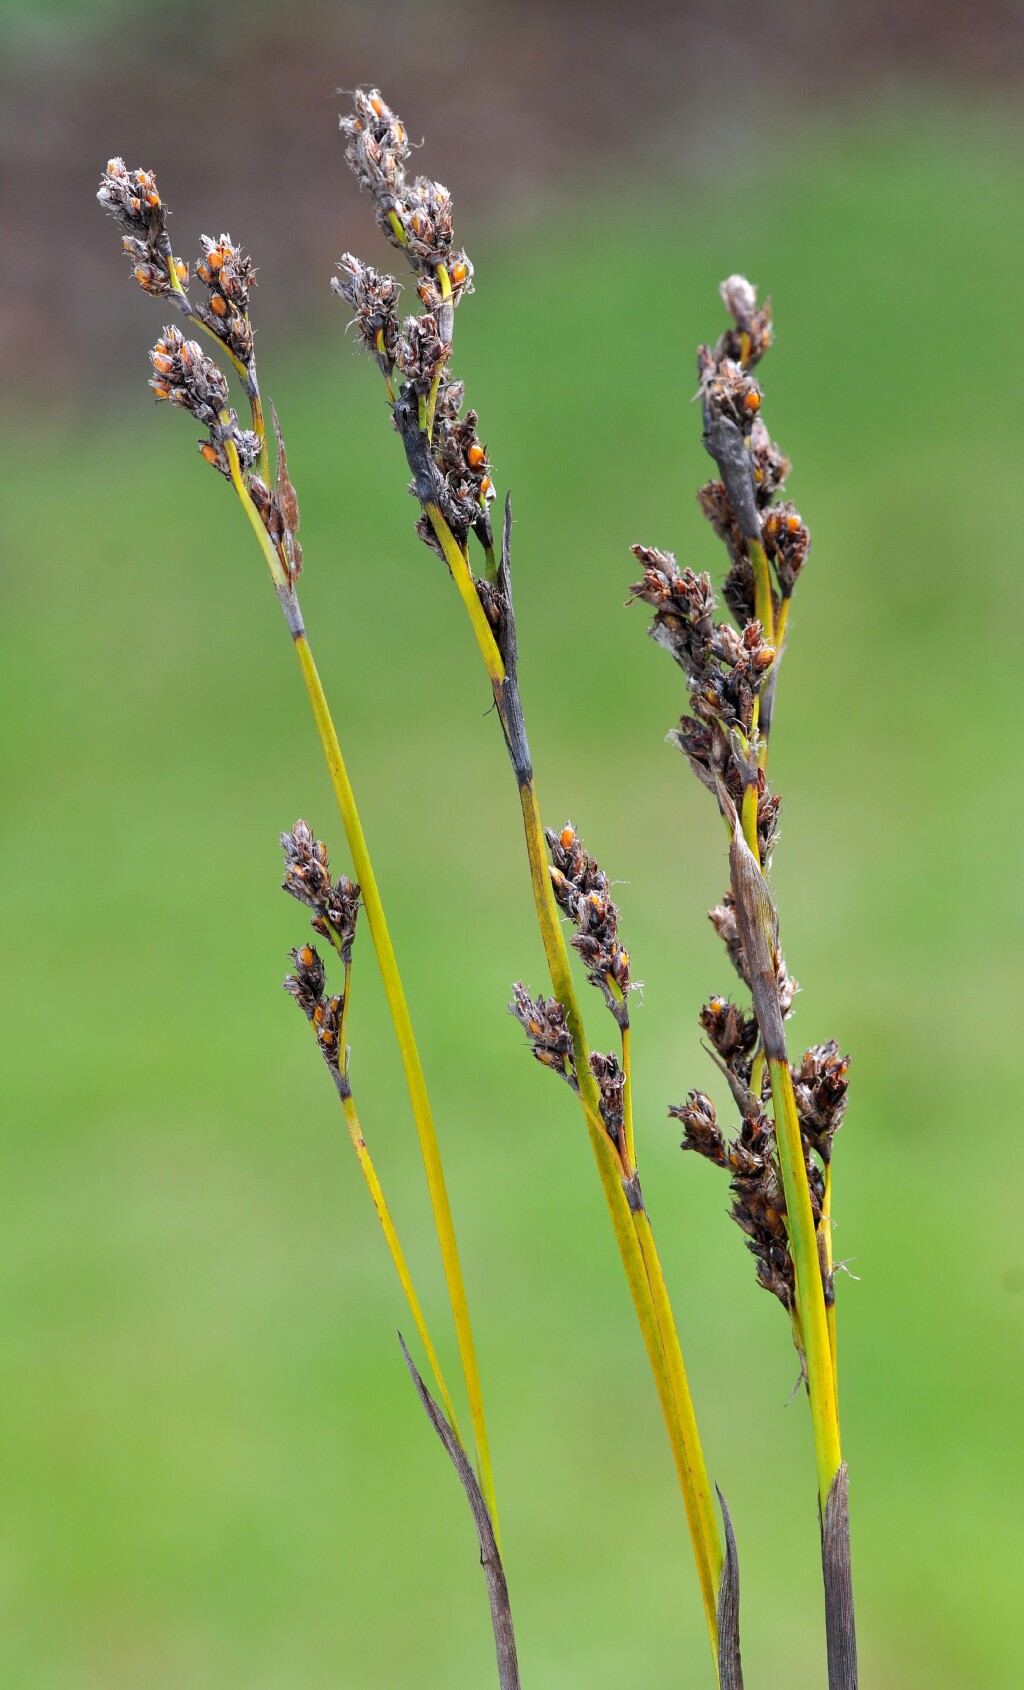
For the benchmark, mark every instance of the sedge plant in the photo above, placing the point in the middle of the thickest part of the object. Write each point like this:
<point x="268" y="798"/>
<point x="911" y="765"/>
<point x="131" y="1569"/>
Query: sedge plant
<point x="185" y="376"/>
<point x="780" y="1163"/>
<point x="452" y="479"/>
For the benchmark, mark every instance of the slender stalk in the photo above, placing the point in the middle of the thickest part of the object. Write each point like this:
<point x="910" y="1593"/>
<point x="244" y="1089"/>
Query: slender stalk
<point x="806" y="1262"/>
<point x="757" y="920"/>
<point x="635" y="1241"/>
<point x="397" y="1254"/>
<point x="415" y="1080"/>
<point x="627" y="1098"/>
<point x="394" y="991"/>
<point x="825" y="1242"/>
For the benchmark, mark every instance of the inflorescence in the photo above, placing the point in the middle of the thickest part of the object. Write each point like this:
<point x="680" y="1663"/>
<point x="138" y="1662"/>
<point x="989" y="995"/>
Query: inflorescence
<point x="731" y="673"/>
<point x="449" y="462"/>
<point x="335" y="905"/>
<point x="183" y="374"/>
<point x="581" y="891"/>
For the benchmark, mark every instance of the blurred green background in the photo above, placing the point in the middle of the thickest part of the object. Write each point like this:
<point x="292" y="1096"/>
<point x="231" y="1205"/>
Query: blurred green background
<point x="215" y="1474"/>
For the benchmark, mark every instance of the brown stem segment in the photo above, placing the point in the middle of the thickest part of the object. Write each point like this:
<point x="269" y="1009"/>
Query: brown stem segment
<point x="490" y="1559"/>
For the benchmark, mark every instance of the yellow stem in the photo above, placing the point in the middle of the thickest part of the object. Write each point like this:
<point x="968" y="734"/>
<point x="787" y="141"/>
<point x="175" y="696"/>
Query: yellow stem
<point x="749" y="820"/>
<point x="458" y="563"/>
<point x="649" y="1300"/>
<point x="397" y="1254"/>
<point x="415" y="1080"/>
<point x="444" y="282"/>
<point x="809" y="1293"/>
<point x="757" y="1074"/>
<point x="397" y="1005"/>
<point x="825" y="1231"/>
<point x="627" y="1099"/>
<point x="763" y="608"/>
<point x="636" y="1244"/>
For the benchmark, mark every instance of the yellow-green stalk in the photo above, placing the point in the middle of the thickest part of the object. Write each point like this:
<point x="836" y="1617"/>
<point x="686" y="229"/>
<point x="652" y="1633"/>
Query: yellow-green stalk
<point x="394" y="991"/>
<point x="631" y="1225"/>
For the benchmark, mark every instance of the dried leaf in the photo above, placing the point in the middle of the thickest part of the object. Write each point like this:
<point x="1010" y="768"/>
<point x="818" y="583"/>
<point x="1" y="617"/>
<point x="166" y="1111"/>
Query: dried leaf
<point x="730" y="1667"/>
<point x="840" y="1628"/>
<point x="490" y="1560"/>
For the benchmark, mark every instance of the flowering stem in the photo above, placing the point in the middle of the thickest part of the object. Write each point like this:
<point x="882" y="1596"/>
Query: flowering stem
<point x="247" y="372"/>
<point x="631" y="1225"/>
<point x="394" y="991"/>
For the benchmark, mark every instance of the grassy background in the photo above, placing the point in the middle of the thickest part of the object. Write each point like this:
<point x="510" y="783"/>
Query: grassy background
<point x="215" y="1471"/>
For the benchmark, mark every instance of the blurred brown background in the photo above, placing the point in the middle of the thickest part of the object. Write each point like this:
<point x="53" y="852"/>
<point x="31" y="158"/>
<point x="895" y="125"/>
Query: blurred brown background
<point x="526" y="105"/>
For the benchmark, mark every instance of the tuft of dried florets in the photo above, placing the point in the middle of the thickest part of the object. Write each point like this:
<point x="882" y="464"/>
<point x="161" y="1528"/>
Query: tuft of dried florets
<point x="787" y="542"/>
<point x="701" y="1131"/>
<point x="307" y="983"/>
<point x="248" y="446"/>
<point x="731" y="1031"/>
<point x="421" y="353"/>
<point x="307" y="877"/>
<point x="611" y="1083"/>
<point x="132" y="198"/>
<point x="228" y="274"/>
<point x="184" y="374"/>
<point x="751" y="337"/>
<point x="543" y="1020"/>
<point x="684" y="606"/>
<point x="374" y="299"/>
<point x="377" y="148"/>
<point x="581" y="891"/>
<point x="150" y="267"/>
<point x="425" y="212"/>
<point x="820" y="1085"/>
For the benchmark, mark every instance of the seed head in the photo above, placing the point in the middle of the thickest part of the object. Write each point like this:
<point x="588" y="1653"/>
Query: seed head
<point x="377" y="147"/>
<point x="752" y="335"/>
<point x="183" y="374"/>
<point x="701" y="1131"/>
<point x="131" y="197"/>
<point x="307" y="983"/>
<point x="374" y="299"/>
<point x="543" y="1020"/>
<point x="611" y="1081"/>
